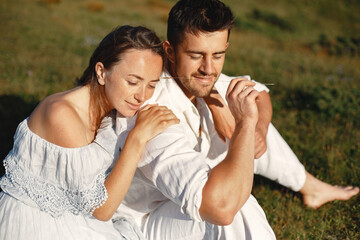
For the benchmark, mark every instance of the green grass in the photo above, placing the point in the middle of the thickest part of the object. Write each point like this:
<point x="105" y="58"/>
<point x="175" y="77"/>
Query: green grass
<point x="309" y="49"/>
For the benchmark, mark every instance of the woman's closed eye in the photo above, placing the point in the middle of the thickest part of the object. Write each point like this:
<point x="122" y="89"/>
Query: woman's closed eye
<point x="153" y="84"/>
<point x="133" y="82"/>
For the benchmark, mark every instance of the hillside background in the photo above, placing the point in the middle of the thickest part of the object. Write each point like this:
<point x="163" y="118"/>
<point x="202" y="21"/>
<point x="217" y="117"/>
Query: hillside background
<point x="310" y="50"/>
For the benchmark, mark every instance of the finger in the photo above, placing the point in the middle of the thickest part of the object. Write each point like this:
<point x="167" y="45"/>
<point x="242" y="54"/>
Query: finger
<point x="164" y="108"/>
<point x="161" y="114"/>
<point x="252" y="95"/>
<point x="166" y="116"/>
<point x="155" y="109"/>
<point x="246" y="79"/>
<point x="162" y="125"/>
<point x="147" y="107"/>
<point x="241" y="90"/>
<point x="246" y="91"/>
<point x="231" y="86"/>
<point x="172" y="121"/>
<point x="237" y="86"/>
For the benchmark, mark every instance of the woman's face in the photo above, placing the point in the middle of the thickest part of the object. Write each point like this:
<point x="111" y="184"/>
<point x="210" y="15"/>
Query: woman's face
<point x="132" y="80"/>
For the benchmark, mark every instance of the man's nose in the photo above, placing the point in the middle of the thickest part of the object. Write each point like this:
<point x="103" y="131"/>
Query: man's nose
<point x="206" y="66"/>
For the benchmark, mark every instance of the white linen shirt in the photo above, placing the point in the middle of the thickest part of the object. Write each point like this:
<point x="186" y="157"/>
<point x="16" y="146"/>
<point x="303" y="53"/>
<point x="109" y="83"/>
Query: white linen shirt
<point x="176" y="163"/>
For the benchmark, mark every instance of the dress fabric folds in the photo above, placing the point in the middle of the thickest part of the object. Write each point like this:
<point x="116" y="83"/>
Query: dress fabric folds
<point x="50" y="192"/>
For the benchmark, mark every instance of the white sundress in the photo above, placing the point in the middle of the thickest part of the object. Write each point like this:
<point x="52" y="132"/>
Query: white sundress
<point x="50" y="192"/>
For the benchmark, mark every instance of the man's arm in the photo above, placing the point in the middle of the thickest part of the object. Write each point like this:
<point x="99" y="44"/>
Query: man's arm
<point x="263" y="102"/>
<point x="225" y="123"/>
<point x="230" y="182"/>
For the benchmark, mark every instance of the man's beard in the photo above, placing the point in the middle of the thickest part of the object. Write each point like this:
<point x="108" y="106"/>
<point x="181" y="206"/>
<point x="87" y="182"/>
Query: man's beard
<point x="196" y="89"/>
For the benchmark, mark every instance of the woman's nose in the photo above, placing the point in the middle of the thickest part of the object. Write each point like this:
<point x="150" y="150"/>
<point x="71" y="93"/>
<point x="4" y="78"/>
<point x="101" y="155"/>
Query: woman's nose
<point x="140" y="95"/>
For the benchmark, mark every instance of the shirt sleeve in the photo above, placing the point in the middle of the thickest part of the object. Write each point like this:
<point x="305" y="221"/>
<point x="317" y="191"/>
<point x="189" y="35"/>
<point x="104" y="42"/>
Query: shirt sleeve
<point x="176" y="170"/>
<point x="225" y="80"/>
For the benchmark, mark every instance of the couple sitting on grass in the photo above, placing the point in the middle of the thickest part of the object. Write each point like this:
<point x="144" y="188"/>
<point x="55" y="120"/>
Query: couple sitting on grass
<point x="154" y="143"/>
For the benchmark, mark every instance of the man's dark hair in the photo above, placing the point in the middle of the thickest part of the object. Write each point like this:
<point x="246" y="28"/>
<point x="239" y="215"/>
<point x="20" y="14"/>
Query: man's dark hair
<point x="196" y="16"/>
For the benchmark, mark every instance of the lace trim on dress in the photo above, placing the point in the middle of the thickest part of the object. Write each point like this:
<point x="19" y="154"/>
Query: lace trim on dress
<point x="53" y="199"/>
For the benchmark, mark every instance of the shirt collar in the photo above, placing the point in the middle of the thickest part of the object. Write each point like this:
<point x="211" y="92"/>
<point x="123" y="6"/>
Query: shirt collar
<point x="181" y="101"/>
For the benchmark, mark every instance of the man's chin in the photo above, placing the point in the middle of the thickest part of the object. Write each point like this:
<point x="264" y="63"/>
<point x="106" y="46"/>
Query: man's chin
<point x="201" y="94"/>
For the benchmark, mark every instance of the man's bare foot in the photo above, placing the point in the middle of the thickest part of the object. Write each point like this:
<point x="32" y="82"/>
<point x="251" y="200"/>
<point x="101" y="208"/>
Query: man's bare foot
<point x="316" y="193"/>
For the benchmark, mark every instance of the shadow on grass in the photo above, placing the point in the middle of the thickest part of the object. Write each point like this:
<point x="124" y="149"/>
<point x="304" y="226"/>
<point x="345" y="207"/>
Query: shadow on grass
<point x="13" y="109"/>
<point x="261" y="183"/>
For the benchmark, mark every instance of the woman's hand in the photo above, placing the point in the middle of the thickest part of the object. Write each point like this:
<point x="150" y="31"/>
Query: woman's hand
<point x="152" y="120"/>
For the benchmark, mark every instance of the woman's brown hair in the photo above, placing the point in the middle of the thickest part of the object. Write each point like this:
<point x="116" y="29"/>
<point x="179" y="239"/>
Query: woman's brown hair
<point x="108" y="52"/>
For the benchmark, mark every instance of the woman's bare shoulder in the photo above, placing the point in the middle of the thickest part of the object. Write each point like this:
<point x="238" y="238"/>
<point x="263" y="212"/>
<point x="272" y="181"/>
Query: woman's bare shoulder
<point x="57" y="120"/>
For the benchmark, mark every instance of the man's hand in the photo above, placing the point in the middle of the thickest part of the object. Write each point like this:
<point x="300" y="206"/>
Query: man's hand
<point x="241" y="97"/>
<point x="224" y="121"/>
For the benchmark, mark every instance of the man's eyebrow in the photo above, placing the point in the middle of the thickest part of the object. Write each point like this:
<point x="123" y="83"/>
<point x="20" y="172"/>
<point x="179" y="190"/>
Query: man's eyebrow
<point x="142" y="79"/>
<point x="202" y="53"/>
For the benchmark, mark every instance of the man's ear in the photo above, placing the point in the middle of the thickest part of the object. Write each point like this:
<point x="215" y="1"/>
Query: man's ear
<point x="227" y="45"/>
<point x="100" y="73"/>
<point x="169" y="51"/>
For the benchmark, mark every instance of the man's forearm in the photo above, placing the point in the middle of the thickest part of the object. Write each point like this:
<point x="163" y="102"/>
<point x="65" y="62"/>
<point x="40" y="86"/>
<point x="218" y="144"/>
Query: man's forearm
<point x="263" y="103"/>
<point x="265" y="109"/>
<point x="230" y="183"/>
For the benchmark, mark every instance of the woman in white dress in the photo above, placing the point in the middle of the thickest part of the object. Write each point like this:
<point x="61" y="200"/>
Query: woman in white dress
<point x="60" y="183"/>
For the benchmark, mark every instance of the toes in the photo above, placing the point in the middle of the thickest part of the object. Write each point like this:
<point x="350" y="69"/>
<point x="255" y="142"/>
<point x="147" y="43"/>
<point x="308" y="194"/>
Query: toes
<point x="355" y="190"/>
<point x="352" y="189"/>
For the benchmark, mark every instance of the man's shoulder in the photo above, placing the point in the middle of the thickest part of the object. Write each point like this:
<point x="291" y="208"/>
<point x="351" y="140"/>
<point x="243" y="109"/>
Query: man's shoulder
<point x="168" y="93"/>
<point x="163" y="91"/>
<point x="168" y="142"/>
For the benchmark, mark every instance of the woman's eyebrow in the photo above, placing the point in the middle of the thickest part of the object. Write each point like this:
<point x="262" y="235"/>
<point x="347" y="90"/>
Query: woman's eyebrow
<point x="142" y="79"/>
<point x="136" y="76"/>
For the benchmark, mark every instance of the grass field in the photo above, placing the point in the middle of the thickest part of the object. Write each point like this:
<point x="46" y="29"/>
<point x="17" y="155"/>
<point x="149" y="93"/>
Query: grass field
<point x="310" y="50"/>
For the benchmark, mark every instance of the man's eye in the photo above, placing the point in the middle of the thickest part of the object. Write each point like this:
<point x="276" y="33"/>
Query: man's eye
<point x="218" y="56"/>
<point x="195" y="56"/>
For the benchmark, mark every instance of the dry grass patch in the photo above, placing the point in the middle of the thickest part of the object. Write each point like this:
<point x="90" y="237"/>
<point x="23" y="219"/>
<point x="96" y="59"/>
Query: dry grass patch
<point x="95" y="6"/>
<point x="50" y="1"/>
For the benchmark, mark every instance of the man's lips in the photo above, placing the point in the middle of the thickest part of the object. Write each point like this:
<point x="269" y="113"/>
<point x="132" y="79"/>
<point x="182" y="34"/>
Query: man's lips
<point x="204" y="79"/>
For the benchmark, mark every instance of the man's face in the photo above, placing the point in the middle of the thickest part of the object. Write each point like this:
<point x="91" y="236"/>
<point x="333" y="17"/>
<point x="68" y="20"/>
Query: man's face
<point x="198" y="61"/>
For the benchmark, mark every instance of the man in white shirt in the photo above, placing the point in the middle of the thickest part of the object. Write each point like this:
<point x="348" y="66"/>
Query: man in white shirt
<point x="191" y="184"/>
<point x="198" y="62"/>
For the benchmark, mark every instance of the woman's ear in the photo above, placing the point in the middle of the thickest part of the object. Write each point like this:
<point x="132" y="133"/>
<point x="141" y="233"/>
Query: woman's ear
<point x="169" y="51"/>
<point x="100" y="73"/>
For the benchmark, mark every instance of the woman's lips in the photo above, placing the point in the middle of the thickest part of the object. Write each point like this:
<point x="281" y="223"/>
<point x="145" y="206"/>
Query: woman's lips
<point x="133" y="106"/>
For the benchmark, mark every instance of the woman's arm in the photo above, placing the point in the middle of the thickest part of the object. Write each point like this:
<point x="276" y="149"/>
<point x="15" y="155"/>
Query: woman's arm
<point x="151" y="121"/>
